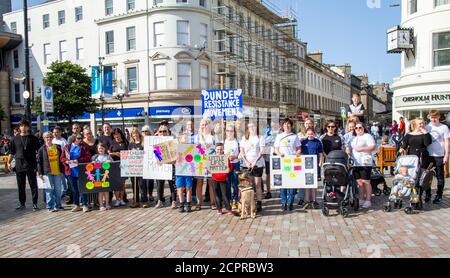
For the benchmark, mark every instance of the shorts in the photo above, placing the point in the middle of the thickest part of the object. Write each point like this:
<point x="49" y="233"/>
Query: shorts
<point x="183" y="181"/>
<point x="362" y="173"/>
<point x="257" y="172"/>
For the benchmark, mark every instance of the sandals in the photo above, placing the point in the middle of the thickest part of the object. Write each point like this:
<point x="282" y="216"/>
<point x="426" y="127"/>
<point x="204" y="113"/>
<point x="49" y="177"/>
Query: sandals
<point x="198" y="208"/>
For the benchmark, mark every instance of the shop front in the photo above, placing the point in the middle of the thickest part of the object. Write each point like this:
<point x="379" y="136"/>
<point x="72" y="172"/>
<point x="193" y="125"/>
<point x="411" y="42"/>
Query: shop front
<point x="418" y="105"/>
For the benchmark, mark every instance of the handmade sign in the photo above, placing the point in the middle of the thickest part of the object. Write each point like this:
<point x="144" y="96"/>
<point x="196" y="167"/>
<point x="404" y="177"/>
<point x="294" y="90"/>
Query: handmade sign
<point x="99" y="177"/>
<point x="153" y="169"/>
<point x="132" y="163"/>
<point x="43" y="183"/>
<point x="166" y="152"/>
<point x="293" y="172"/>
<point x="222" y="103"/>
<point x="217" y="164"/>
<point x="192" y="160"/>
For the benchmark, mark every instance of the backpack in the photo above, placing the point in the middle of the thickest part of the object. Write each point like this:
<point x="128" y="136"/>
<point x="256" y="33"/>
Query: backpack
<point x="426" y="177"/>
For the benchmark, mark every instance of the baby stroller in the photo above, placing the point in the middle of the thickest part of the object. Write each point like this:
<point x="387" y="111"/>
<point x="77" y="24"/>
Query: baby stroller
<point x="337" y="173"/>
<point x="408" y="187"/>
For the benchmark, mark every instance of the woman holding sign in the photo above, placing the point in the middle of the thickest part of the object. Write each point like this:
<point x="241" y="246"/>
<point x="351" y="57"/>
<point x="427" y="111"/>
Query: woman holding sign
<point x="119" y="143"/>
<point x="73" y="154"/>
<point x="287" y="143"/>
<point x="205" y="138"/>
<point x="251" y="151"/>
<point x="136" y="144"/>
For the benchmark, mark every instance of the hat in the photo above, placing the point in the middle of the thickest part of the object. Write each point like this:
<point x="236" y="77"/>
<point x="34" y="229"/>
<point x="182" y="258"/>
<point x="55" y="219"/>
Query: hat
<point x="145" y="128"/>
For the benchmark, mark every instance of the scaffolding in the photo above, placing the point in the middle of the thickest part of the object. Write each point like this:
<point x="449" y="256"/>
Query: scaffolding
<point x="256" y="49"/>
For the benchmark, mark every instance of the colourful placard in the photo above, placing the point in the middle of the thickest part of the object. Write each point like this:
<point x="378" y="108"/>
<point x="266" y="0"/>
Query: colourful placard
<point x="132" y="163"/>
<point x="293" y="172"/>
<point x="192" y="160"/>
<point x="218" y="164"/>
<point x="166" y="152"/>
<point x="99" y="177"/>
<point x="153" y="169"/>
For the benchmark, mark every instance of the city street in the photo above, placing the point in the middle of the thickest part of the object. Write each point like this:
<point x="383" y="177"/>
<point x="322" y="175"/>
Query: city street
<point x="166" y="233"/>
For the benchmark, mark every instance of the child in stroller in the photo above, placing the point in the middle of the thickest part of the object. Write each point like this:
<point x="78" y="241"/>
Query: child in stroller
<point x="340" y="188"/>
<point x="405" y="184"/>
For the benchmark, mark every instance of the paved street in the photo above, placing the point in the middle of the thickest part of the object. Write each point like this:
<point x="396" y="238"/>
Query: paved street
<point x="166" y="233"/>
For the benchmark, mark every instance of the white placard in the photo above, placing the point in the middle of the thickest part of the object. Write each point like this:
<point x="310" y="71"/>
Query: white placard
<point x="152" y="169"/>
<point x="43" y="183"/>
<point x="293" y="172"/>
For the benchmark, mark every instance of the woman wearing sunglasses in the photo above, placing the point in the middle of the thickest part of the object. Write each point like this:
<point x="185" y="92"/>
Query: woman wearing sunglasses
<point x="361" y="148"/>
<point x="73" y="154"/>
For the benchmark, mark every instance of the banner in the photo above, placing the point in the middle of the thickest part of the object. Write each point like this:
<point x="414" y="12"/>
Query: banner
<point x="166" y="152"/>
<point x="293" y="172"/>
<point x="96" y="85"/>
<point x="99" y="177"/>
<point x="218" y="164"/>
<point x="107" y="82"/>
<point x="47" y="99"/>
<point x="153" y="170"/>
<point x="222" y="103"/>
<point x="192" y="160"/>
<point x="132" y="164"/>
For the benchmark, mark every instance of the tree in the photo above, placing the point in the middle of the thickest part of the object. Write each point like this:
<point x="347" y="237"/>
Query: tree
<point x="71" y="91"/>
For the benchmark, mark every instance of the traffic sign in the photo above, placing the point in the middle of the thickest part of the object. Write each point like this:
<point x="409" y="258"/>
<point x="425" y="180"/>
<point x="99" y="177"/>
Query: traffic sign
<point x="47" y="99"/>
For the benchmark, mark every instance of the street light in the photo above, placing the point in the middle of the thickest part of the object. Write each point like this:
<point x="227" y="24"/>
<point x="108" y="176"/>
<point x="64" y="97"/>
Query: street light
<point x="120" y="96"/>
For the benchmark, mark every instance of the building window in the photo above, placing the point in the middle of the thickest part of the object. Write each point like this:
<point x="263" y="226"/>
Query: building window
<point x="441" y="2"/>
<point x="182" y="32"/>
<point x="131" y="38"/>
<point x="204" y="77"/>
<point x="158" y="30"/>
<point x="47" y="54"/>
<point x="160" y="77"/>
<point x="184" y="76"/>
<point x="78" y="13"/>
<point x="16" y="58"/>
<point x="441" y="49"/>
<point x="17" y="93"/>
<point x="156" y="2"/>
<point x="62" y="51"/>
<point x="109" y="7"/>
<point x="182" y="1"/>
<point x="204" y="34"/>
<point x="61" y="17"/>
<point x="131" y="5"/>
<point x="45" y="21"/>
<point x="412" y="6"/>
<point x="132" y="79"/>
<point x="109" y="42"/>
<point x="13" y="27"/>
<point x="80" y="48"/>
<point x="202" y="3"/>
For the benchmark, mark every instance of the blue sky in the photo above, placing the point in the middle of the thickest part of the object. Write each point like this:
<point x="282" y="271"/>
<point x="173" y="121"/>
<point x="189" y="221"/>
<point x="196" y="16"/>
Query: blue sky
<point x="347" y="31"/>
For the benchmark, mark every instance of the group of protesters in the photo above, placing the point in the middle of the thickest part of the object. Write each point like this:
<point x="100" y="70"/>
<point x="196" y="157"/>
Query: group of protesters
<point x="248" y="151"/>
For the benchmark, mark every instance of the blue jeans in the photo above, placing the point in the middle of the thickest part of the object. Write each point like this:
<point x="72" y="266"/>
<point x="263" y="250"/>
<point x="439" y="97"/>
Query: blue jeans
<point x="233" y="182"/>
<point x="287" y="196"/>
<point x="53" y="195"/>
<point x="76" y="193"/>
<point x="64" y="187"/>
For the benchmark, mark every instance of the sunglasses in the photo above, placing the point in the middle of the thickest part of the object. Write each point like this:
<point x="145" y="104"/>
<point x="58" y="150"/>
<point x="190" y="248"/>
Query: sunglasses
<point x="359" y="128"/>
<point x="79" y="138"/>
<point x="331" y="126"/>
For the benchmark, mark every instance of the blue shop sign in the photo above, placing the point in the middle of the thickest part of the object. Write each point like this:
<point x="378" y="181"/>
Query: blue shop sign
<point x="171" y="111"/>
<point x="117" y="113"/>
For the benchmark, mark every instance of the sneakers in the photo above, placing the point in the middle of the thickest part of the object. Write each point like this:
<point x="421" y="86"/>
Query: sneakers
<point x="108" y="207"/>
<point x="174" y="205"/>
<point x="102" y="208"/>
<point x="35" y="207"/>
<point x="76" y="208"/>
<point x="85" y="208"/>
<point x="259" y="206"/>
<point x="159" y="204"/>
<point x="122" y="203"/>
<point x="291" y="207"/>
<point x="181" y="208"/>
<point x="268" y="196"/>
<point x="20" y="207"/>
<point x="284" y="207"/>
<point x="188" y="207"/>
<point x="301" y="203"/>
<point x="234" y="206"/>
<point x="366" y="204"/>
<point x="437" y="200"/>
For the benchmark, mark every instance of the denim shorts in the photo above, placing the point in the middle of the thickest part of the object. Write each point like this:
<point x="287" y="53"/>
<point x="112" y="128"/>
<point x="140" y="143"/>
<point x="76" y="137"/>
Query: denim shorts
<point x="183" y="181"/>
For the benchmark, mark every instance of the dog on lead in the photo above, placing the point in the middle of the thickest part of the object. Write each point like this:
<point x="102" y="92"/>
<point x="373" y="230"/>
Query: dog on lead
<point x="247" y="204"/>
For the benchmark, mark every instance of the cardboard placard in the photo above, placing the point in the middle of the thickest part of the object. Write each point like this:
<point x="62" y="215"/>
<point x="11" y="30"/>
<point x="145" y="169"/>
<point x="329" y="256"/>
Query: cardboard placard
<point x="166" y="152"/>
<point x="99" y="177"/>
<point x="218" y="164"/>
<point x="293" y="172"/>
<point x="132" y="163"/>
<point x="192" y="160"/>
<point x="153" y="170"/>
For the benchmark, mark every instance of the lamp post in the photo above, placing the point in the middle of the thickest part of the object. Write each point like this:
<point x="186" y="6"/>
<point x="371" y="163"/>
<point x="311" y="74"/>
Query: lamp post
<point x="120" y="96"/>
<point x="27" y="63"/>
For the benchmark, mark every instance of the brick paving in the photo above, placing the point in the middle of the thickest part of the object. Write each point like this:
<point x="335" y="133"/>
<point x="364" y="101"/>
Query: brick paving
<point x="156" y="233"/>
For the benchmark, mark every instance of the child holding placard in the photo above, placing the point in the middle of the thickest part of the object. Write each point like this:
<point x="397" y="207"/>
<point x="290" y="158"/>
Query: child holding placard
<point x="312" y="146"/>
<point x="220" y="185"/>
<point x="102" y="157"/>
<point x="184" y="183"/>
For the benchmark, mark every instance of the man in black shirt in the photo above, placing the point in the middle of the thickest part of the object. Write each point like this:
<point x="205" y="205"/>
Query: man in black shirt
<point x="24" y="148"/>
<point x="107" y="137"/>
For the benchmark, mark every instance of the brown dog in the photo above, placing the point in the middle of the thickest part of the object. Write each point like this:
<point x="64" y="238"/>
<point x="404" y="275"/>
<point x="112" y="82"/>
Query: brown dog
<point x="247" y="204"/>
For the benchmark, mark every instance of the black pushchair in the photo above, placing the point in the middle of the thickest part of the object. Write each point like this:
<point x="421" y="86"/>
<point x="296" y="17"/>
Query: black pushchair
<point x="337" y="173"/>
